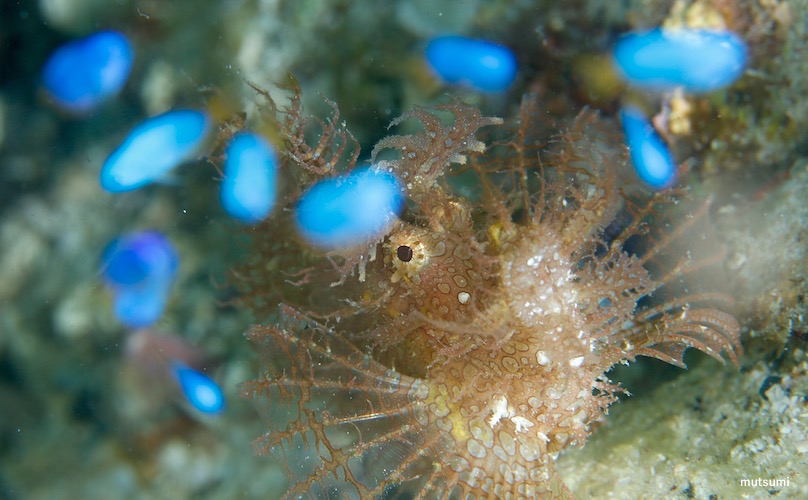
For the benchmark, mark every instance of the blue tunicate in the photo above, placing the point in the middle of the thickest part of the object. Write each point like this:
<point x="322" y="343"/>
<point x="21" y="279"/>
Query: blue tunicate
<point x="139" y="268"/>
<point x="250" y="176"/>
<point x="135" y="258"/>
<point x="650" y="155"/>
<point x="153" y="148"/>
<point x="81" y="74"/>
<point x="140" y="307"/>
<point x="697" y="60"/>
<point x="351" y="209"/>
<point x="480" y="64"/>
<point x="201" y="391"/>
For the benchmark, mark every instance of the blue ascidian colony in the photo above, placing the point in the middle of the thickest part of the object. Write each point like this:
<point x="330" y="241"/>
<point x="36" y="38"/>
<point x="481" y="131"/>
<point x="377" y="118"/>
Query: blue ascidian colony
<point x="479" y="64"/>
<point x="650" y="155"/>
<point x="153" y="148"/>
<point x="454" y="350"/>
<point x="249" y="183"/>
<point x="81" y="74"/>
<point x="350" y="210"/>
<point x="697" y="60"/>
<point x="139" y="268"/>
<point x="201" y="392"/>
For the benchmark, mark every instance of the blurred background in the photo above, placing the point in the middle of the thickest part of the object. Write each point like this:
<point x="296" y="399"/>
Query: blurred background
<point x="87" y="406"/>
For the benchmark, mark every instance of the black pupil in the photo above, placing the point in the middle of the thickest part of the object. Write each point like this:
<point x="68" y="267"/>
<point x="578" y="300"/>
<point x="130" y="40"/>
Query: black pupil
<point x="404" y="253"/>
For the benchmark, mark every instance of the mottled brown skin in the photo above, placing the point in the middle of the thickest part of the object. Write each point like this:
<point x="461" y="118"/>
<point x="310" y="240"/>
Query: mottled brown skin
<point x="473" y="348"/>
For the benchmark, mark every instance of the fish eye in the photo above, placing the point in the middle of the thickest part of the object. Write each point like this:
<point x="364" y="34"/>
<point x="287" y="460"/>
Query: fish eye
<point x="404" y="253"/>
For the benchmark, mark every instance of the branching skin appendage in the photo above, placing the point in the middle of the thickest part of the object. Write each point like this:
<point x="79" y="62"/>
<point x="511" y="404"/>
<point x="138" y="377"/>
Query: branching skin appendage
<point x="472" y="345"/>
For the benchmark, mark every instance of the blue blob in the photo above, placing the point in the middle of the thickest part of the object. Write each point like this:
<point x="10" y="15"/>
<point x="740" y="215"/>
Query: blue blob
<point x="136" y="258"/>
<point x="350" y="210"/>
<point x="200" y="390"/>
<point x="124" y="267"/>
<point x="140" y="307"/>
<point x="248" y="190"/>
<point x="697" y="60"/>
<point x="140" y="269"/>
<point x="650" y="155"/>
<point x="479" y="64"/>
<point x="153" y="148"/>
<point x="81" y="74"/>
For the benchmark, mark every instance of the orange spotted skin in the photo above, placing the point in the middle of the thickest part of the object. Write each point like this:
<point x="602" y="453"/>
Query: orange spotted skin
<point x="441" y="278"/>
<point x="456" y="356"/>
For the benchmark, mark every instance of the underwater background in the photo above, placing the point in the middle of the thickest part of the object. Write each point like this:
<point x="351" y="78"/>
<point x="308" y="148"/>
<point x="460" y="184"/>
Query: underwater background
<point x="87" y="410"/>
